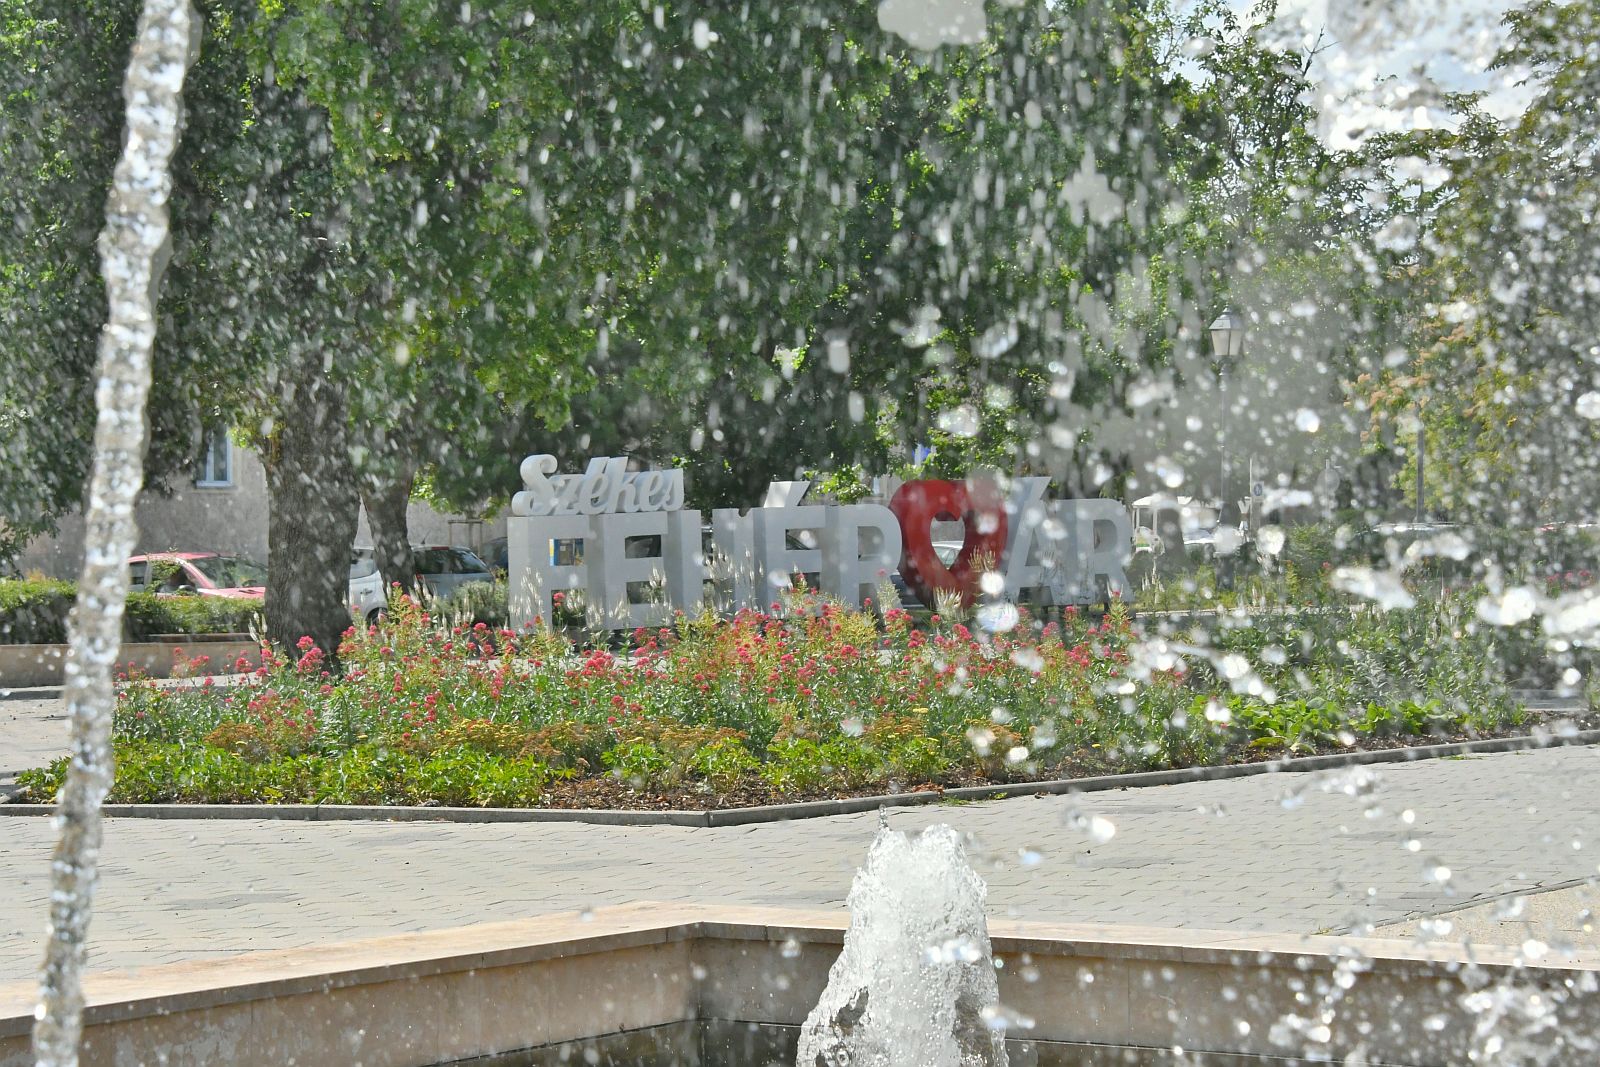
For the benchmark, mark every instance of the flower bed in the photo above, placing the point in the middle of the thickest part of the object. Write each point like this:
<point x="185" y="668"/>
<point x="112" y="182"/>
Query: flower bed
<point x="811" y="701"/>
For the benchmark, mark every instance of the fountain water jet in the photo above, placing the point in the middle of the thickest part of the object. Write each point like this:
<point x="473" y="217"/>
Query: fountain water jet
<point x="133" y="253"/>
<point x="915" y="983"/>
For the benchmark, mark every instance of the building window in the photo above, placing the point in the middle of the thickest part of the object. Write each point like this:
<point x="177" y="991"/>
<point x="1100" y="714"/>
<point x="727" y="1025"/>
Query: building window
<point x="216" y="465"/>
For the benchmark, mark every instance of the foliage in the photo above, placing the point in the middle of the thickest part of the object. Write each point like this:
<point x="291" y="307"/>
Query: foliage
<point x="1502" y="317"/>
<point x="767" y="237"/>
<point x="815" y="699"/>
<point x="35" y="612"/>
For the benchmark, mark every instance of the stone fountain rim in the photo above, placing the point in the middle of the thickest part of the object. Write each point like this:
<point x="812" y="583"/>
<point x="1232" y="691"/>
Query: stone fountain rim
<point x="167" y="989"/>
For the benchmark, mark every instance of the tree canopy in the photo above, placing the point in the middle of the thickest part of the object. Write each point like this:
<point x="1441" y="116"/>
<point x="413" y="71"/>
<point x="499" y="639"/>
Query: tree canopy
<point x="416" y="241"/>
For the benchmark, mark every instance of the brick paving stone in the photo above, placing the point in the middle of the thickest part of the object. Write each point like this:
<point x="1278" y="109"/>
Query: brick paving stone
<point x="32" y="733"/>
<point x="1334" y="855"/>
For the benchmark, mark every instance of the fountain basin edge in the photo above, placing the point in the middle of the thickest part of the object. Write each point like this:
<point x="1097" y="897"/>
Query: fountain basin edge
<point x="438" y="996"/>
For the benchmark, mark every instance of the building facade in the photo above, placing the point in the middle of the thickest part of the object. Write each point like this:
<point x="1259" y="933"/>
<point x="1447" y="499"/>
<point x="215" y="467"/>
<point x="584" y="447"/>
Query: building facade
<point x="224" y="508"/>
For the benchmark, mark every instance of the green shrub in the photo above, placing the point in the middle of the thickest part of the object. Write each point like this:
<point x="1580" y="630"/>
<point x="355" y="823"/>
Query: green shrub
<point x="149" y="615"/>
<point x="473" y="603"/>
<point x="467" y="777"/>
<point x="1314" y="547"/>
<point x="150" y="773"/>
<point x="34" y="612"/>
<point x="723" y="763"/>
<point x="796" y="765"/>
<point x="639" y="763"/>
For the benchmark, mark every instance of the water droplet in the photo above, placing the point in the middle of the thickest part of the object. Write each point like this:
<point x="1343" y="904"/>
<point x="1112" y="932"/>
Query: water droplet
<point x="702" y="34"/>
<point x="852" y="726"/>
<point x="1098" y="828"/>
<point x="1233" y="666"/>
<point x="1383" y="587"/>
<point x="1001" y="1018"/>
<point x="789" y="949"/>
<point x="996" y="341"/>
<point x="999" y="618"/>
<point x="1588" y="406"/>
<point x="1307" y="421"/>
<point x="959" y="421"/>
<point x="1028" y="658"/>
<point x="1508" y="608"/>
<point x="838" y="355"/>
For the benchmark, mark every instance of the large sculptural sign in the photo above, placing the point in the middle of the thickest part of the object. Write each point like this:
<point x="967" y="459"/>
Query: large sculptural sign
<point x="645" y="556"/>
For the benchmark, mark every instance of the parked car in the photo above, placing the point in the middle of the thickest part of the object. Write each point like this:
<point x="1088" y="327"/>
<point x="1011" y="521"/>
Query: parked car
<point x="496" y="553"/>
<point x="197" y="573"/>
<point x="368" y="597"/>
<point x="442" y="569"/>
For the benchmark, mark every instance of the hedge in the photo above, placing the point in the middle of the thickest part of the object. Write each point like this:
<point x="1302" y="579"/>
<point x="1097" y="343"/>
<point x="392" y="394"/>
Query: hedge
<point x="34" y="612"/>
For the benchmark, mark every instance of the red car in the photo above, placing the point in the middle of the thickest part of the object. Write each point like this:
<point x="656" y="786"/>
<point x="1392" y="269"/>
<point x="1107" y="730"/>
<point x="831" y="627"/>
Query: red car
<point x="205" y="573"/>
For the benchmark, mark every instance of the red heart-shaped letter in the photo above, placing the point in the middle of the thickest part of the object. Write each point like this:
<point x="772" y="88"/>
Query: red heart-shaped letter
<point x="918" y="505"/>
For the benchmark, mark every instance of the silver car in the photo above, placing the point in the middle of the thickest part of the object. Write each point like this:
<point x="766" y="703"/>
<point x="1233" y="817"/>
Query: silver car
<point x="441" y="569"/>
<point x="444" y="569"/>
<point x="367" y="597"/>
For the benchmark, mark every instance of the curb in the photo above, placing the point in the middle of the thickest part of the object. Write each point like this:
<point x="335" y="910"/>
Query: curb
<point x="34" y="692"/>
<point x="818" y="808"/>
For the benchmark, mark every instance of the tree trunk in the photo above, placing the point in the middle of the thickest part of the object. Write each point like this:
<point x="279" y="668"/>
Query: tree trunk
<point x="312" y="499"/>
<point x="386" y="499"/>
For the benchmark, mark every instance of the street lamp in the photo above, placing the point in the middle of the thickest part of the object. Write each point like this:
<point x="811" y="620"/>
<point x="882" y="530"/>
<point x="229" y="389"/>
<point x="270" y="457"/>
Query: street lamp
<point x="1227" y="335"/>
<point x="1227" y="344"/>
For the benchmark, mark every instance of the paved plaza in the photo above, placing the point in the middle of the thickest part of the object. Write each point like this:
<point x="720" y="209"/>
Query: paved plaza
<point x="1296" y="853"/>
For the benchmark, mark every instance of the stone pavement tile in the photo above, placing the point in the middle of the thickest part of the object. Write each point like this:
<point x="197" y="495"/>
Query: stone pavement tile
<point x="32" y="733"/>
<point x="1552" y="920"/>
<point x="1293" y="853"/>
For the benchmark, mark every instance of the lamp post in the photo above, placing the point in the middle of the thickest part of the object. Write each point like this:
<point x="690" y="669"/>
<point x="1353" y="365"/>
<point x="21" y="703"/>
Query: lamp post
<point x="1227" y="345"/>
